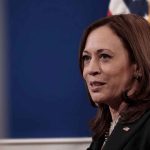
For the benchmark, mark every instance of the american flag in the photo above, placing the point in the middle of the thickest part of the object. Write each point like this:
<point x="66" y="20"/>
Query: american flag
<point x="140" y="7"/>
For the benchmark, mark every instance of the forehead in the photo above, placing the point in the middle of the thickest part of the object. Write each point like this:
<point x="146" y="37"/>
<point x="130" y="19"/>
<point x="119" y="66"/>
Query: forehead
<point x="103" y="38"/>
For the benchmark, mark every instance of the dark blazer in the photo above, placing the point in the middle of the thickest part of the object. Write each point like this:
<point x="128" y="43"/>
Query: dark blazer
<point x="129" y="136"/>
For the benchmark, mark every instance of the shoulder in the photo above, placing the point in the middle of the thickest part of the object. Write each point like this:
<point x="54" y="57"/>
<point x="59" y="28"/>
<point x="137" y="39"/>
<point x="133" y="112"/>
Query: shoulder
<point x="143" y="122"/>
<point x="144" y="129"/>
<point x="141" y="134"/>
<point x="146" y="124"/>
<point x="146" y="118"/>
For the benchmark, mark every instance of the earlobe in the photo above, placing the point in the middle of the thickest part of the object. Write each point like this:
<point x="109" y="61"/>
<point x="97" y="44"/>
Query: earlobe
<point x="138" y="77"/>
<point x="137" y="73"/>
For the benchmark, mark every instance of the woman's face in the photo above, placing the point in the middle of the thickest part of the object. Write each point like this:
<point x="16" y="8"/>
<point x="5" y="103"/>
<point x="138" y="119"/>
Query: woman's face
<point x="107" y="69"/>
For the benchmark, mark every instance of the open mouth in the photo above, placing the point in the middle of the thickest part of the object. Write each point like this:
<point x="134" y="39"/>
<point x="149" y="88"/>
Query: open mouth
<point x="96" y="85"/>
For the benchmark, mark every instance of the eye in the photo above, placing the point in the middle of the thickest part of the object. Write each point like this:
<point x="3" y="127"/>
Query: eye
<point x="85" y="58"/>
<point x="105" y="57"/>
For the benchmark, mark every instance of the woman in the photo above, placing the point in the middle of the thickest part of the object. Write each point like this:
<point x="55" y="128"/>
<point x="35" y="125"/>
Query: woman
<point x="115" y="64"/>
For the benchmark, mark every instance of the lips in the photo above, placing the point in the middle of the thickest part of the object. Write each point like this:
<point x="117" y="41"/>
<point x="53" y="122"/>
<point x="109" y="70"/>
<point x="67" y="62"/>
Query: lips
<point x="96" y="85"/>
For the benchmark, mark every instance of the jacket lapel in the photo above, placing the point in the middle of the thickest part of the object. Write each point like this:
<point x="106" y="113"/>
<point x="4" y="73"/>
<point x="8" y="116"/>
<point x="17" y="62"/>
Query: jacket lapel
<point x="123" y="132"/>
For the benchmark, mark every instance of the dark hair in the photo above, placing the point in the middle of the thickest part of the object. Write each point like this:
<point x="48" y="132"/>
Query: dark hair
<point x="134" y="32"/>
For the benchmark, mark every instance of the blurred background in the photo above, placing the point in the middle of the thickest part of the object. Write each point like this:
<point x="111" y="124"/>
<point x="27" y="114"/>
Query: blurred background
<point x="45" y="94"/>
<point x="42" y="94"/>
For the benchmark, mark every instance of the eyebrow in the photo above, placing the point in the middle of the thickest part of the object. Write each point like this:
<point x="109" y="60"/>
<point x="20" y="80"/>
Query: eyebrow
<point x="85" y="51"/>
<point x="97" y="51"/>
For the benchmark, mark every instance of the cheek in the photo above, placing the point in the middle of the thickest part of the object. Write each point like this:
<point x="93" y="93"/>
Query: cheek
<point x="121" y="78"/>
<point x="119" y="71"/>
<point x="84" y="74"/>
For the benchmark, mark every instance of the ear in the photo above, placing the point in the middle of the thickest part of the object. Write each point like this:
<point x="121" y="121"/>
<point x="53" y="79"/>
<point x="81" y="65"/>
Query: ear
<point x="137" y="72"/>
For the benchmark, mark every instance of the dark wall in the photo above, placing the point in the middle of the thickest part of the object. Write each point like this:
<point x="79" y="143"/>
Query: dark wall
<point x="47" y="94"/>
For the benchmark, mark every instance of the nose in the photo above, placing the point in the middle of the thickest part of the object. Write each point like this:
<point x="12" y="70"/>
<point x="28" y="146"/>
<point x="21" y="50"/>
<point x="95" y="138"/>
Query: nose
<point x="94" y="67"/>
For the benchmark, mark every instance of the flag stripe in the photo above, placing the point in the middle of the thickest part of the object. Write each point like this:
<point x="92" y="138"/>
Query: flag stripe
<point x="139" y="7"/>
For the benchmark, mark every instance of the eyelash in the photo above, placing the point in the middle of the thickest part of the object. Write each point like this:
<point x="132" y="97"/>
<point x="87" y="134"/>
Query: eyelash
<point x="105" y="56"/>
<point x="85" y="58"/>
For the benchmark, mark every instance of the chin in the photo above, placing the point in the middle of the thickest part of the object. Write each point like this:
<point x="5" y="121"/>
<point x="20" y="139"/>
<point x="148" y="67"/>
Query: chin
<point x="97" y="99"/>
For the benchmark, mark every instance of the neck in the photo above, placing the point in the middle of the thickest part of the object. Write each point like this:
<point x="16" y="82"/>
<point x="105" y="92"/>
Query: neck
<point x="115" y="111"/>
